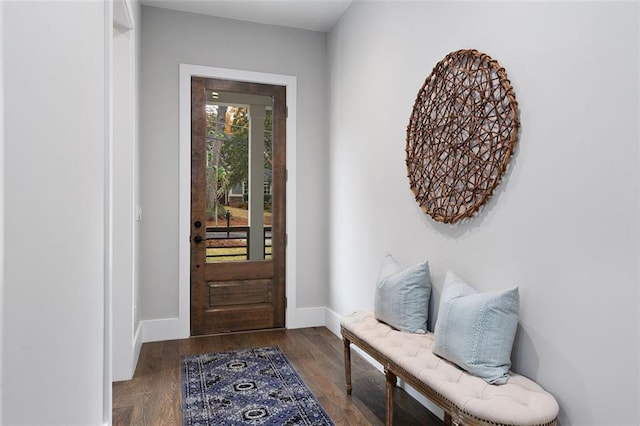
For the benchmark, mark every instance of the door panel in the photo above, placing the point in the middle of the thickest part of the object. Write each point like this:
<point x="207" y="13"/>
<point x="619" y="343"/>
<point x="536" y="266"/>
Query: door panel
<point x="237" y="252"/>
<point x="229" y="293"/>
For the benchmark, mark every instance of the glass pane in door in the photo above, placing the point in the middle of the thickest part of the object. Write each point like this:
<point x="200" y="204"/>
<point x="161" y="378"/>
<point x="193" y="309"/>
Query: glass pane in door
<point x="239" y="177"/>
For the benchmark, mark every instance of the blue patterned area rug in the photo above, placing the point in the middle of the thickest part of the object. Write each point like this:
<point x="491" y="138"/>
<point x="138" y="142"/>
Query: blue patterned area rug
<point x="247" y="387"/>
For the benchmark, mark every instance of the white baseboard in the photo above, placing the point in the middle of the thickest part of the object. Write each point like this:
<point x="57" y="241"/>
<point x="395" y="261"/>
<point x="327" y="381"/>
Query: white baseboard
<point x="306" y="317"/>
<point x="137" y="346"/>
<point x="421" y="399"/>
<point x="176" y="328"/>
<point x="163" y="329"/>
<point x="123" y="369"/>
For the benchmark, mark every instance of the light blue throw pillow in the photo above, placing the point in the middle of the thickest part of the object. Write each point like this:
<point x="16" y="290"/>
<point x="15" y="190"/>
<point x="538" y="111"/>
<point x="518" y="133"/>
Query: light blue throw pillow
<point x="476" y="330"/>
<point x="402" y="296"/>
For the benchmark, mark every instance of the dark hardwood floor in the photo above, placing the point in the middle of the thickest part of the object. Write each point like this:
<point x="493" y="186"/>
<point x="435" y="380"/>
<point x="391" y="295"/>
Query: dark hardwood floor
<point x="154" y="395"/>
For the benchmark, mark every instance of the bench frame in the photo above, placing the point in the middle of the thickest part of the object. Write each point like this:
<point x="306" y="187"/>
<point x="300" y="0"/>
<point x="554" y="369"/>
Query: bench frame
<point x="453" y="415"/>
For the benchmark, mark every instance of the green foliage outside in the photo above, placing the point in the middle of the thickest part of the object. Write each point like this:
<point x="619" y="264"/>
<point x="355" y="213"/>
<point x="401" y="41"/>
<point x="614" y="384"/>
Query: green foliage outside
<point x="228" y="153"/>
<point x="235" y="155"/>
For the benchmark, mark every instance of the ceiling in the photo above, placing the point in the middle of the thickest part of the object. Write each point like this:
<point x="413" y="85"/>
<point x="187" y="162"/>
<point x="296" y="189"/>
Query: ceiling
<point x="314" y="15"/>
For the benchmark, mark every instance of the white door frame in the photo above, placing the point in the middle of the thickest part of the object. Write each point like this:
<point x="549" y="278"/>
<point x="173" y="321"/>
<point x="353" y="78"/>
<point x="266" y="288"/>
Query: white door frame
<point x="177" y="328"/>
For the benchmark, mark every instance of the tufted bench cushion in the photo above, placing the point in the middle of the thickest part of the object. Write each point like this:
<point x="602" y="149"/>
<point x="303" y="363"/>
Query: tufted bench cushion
<point x="466" y="399"/>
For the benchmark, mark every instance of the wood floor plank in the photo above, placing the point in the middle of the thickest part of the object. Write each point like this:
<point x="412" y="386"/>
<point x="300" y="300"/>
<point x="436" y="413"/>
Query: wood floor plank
<point x="154" y="395"/>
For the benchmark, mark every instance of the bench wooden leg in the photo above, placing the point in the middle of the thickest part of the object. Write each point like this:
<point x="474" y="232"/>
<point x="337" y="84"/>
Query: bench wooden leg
<point x="447" y="419"/>
<point x="347" y="364"/>
<point x="391" y="385"/>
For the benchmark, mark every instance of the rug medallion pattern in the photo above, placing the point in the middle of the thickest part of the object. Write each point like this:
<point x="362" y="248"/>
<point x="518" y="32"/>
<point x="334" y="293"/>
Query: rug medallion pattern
<point x="247" y="387"/>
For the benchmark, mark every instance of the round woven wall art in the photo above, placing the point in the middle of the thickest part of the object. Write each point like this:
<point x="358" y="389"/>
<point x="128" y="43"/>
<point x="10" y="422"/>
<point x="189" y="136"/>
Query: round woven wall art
<point x="461" y="135"/>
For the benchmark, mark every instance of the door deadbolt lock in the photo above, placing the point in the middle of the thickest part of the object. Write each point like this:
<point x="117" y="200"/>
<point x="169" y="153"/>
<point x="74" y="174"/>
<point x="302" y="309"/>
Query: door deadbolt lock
<point x="197" y="224"/>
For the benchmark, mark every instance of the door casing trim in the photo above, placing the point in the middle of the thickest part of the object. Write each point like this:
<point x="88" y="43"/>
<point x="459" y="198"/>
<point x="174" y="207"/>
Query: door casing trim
<point x="180" y="327"/>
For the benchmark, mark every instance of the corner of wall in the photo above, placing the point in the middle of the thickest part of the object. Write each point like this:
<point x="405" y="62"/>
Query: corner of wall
<point x="305" y="317"/>
<point x="332" y="321"/>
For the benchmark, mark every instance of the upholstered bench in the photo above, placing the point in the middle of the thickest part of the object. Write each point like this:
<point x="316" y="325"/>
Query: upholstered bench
<point x="465" y="399"/>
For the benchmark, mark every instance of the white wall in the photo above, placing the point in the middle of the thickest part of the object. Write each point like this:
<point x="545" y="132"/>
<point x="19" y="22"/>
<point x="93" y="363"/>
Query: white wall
<point x="563" y="225"/>
<point x="54" y="172"/>
<point x="170" y="38"/>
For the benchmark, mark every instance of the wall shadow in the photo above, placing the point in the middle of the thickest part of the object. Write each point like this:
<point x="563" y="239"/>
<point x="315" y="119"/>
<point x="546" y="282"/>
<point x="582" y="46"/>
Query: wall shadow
<point x="525" y="360"/>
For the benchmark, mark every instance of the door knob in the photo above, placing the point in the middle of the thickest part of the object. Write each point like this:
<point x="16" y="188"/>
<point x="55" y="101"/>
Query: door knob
<point x="198" y="239"/>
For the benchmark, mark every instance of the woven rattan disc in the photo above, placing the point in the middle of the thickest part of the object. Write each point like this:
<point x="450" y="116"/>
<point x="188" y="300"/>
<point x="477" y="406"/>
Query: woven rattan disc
<point x="461" y="135"/>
